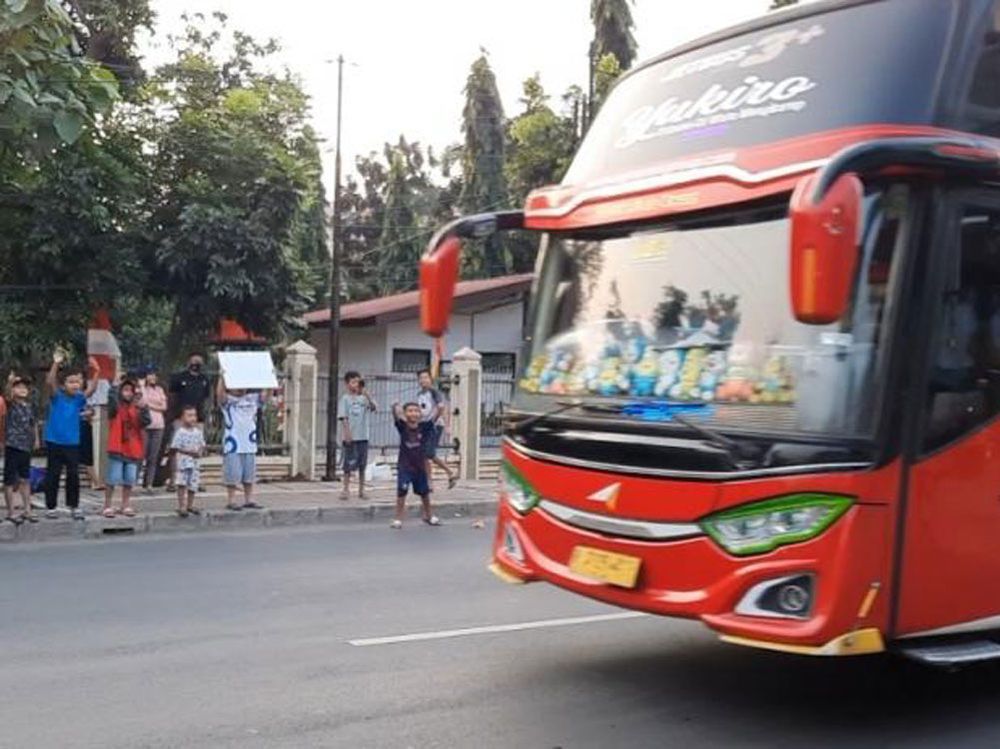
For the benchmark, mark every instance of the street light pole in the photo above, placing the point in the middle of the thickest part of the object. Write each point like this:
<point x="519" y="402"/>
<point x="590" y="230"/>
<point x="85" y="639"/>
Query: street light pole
<point x="334" y="342"/>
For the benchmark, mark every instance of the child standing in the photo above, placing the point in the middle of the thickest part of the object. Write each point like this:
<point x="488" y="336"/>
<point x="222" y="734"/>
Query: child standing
<point x="432" y="410"/>
<point x="188" y="445"/>
<point x="411" y="468"/>
<point x="21" y="428"/>
<point x="239" y="442"/>
<point x="127" y="419"/>
<point x="356" y="406"/>
<point x="62" y="433"/>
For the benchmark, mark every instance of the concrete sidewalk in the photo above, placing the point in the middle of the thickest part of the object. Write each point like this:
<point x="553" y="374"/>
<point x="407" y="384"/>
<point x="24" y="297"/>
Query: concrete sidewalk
<point x="285" y="503"/>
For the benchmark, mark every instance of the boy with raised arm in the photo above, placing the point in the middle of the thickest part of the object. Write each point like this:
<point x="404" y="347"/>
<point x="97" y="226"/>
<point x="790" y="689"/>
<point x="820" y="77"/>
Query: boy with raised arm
<point x="239" y="441"/>
<point x="411" y="467"/>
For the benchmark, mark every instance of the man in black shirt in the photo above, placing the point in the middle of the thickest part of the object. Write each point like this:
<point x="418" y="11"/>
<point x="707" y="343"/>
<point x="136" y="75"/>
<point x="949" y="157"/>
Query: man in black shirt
<point x="190" y="387"/>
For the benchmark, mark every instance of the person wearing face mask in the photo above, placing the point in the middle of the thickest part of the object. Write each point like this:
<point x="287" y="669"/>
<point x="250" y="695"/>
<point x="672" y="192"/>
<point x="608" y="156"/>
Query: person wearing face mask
<point x="189" y="388"/>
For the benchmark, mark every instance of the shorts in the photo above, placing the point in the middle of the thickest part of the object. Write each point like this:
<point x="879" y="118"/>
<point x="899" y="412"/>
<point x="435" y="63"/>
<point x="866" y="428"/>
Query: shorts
<point x="432" y="441"/>
<point x="16" y="466"/>
<point x="355" y="456"/>
<point x="239" y="468"/>
<point x="122" y="472"/>
<point x="188" y="478"/>
<point x="418" y="480"/>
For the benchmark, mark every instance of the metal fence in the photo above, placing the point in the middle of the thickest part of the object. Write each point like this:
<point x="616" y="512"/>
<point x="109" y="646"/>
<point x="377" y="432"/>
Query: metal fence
<point x="386" y="389"/>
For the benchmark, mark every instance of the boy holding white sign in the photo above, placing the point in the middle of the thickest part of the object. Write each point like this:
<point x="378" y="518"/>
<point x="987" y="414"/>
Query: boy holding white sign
<point x="239" y="420"/>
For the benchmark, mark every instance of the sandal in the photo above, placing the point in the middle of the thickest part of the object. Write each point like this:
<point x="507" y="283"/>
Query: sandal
<point x="234" y="508"/>
<point x="128" y="512"/>
<point x="252" y="506"/>
<point x="396" y="524"/>
<point x="29" y="517"/>
<point x="182" y="513"/>
<point x="16" y="520"/>
<point x="109" y="512"/>
<point x="194" y="510"/>
<point x="452" y="480"/>
<point x="433" y="520"/>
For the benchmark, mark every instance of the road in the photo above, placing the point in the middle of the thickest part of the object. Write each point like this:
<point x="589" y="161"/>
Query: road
<point x="243" y="640"/>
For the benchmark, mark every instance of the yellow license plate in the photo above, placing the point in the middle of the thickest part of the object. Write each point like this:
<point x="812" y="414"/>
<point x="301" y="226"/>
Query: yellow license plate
<point x="606" y="566"/>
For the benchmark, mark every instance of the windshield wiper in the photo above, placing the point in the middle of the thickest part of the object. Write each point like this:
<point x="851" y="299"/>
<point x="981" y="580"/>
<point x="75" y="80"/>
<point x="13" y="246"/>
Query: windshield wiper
<point x="561" y="406"/>
<point x="669" y="412"/>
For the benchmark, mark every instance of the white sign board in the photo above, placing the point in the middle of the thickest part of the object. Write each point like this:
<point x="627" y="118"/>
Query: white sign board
<point x="247" y="370"/>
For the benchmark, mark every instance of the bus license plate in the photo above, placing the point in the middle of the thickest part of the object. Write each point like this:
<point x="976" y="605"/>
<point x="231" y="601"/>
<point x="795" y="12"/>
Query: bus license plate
<point x="606" y="566"/>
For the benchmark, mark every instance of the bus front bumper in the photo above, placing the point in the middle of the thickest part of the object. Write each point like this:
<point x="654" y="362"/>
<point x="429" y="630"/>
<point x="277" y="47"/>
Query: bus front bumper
<point x="694" y="578"/>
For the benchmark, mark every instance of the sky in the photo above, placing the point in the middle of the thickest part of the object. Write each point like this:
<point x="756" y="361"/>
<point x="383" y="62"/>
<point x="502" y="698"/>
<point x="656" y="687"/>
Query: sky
<point x="407" y="61"/>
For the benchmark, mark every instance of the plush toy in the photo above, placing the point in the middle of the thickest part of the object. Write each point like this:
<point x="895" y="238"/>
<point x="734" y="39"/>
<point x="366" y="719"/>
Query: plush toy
<point x="609" y="380"/>
<point x="775" y="384"/>
<point x="531" y="381"/>
<point x="711" y="374"/>
<point x="737" y="384"/>
<point x="687" y="387"/>
<point x="555" y="376"/>
<point x="645" y="374"/>
<point x="670" y="365"/>
<point x="635" y="349"/>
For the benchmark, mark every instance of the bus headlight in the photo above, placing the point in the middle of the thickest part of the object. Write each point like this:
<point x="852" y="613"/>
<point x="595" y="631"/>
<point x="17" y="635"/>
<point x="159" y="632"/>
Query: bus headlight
<point x="518" y="491"/>
<point x="762" y="526"/>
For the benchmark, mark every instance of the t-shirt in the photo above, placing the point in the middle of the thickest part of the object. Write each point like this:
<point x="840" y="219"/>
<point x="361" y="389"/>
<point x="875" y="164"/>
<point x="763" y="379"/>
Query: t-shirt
<point x="429" y="400"/>
<point x="191" y="390"/>
<point x="63" y="425"/>
<point x="21" y="425"/>
<point x="239" y="421"/>
<point x="412" y="455"/>
<point x="155" y="400"/>
<point x="187" y="438"/>
<point x="357" y="410"/>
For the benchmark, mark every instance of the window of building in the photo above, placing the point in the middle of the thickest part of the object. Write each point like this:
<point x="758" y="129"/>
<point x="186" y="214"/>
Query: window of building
<point x="964" y="387"/>
<point x="410" y="359"/>
<point x="499" y="363"/>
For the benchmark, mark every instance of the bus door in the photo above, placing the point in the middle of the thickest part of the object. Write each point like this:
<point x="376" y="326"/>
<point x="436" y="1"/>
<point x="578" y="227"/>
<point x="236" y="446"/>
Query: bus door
<point x="950" y="563"/>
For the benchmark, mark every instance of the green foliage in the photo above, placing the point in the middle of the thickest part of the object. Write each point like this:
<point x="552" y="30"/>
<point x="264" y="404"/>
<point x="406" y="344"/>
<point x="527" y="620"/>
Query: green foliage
<point x="613" y="24"/>
<point x="48" y="92"/>
<point x="483" y="155"/>
<point x="238" y="199"/>
<point x="606" y="72"/>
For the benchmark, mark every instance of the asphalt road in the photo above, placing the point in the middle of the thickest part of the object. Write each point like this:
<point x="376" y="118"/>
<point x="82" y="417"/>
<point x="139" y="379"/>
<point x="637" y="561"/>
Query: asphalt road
<point x="226" y="640"/>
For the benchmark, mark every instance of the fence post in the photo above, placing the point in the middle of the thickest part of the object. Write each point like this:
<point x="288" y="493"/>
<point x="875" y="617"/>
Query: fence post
<point x="467" y="370"/>
<point x="301" y="372"/>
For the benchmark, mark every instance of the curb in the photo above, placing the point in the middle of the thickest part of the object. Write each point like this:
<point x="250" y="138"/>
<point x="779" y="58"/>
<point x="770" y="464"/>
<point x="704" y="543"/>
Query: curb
<point x="159" y="524"/>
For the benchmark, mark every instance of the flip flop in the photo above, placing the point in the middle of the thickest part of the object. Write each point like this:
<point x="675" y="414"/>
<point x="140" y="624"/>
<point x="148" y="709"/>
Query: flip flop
<point x="128" y="512"/>
<point x="433" y="520"/>
<point x="396" y="524"/>
<point x="108" y="512"/>
<point x="194" y="510"/>
<point x="234" y="508"/>
<point x="29" y="518"/>
<point x="182" y="513"/>
<point x="452" y="481"/>
<point x="15" y="520"/>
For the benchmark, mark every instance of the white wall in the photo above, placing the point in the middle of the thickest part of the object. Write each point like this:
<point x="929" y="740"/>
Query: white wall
<point x="369" y="350"/>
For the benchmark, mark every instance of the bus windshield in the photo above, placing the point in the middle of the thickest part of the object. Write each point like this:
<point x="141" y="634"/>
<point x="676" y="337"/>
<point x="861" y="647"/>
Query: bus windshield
<point x="699" y="313"/>
<point x="832" y="70"/>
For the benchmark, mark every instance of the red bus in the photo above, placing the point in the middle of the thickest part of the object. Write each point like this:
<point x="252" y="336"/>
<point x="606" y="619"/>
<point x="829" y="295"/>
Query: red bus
<point x="761" y="376"/>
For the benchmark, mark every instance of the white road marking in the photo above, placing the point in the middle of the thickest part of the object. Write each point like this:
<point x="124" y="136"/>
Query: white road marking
<point x="494" y="628"/>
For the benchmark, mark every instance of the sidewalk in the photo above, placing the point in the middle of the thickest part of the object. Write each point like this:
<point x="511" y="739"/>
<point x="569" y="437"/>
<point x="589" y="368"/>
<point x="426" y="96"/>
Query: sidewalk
<point x="285" y="503"/>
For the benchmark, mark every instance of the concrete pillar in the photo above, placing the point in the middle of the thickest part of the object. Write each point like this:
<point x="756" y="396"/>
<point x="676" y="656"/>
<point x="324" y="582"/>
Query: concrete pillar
<point x="467" y="371"/>
<point x="301" y="374"/>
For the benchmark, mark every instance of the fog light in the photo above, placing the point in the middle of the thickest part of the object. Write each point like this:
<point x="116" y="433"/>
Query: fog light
<point x="511" y="546"/>
<point x="789" y="597"/>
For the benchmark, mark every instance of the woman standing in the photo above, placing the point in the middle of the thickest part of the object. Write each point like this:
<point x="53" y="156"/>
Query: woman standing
<point x="154" y="398"/>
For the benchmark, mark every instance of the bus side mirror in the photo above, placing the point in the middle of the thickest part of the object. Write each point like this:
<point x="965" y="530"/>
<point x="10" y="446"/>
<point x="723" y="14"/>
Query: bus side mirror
<point x="824" y="248"/>
<point x="438" y="276"/>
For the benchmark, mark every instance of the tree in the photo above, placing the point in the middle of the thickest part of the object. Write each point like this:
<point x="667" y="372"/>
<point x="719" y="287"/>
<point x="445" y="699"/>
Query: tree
<point x="606" y="72"/>
<point x="540" y="143"/>
<point x="483" y="156"/>
<point x="613" y="26"/>
<point x="777" y="4"/>
<point x="234" y="165"/>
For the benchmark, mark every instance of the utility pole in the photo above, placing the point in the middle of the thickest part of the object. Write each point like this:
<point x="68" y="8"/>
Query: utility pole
<point x="334" y="343"/>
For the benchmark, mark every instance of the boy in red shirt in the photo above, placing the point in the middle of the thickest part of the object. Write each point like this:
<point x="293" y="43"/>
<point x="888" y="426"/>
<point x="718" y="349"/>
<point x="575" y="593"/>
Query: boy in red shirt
<point x="126" y="445"/>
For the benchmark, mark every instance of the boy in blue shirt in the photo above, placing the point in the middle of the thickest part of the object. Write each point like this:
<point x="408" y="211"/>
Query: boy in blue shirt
<point x="62" y="432"/>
